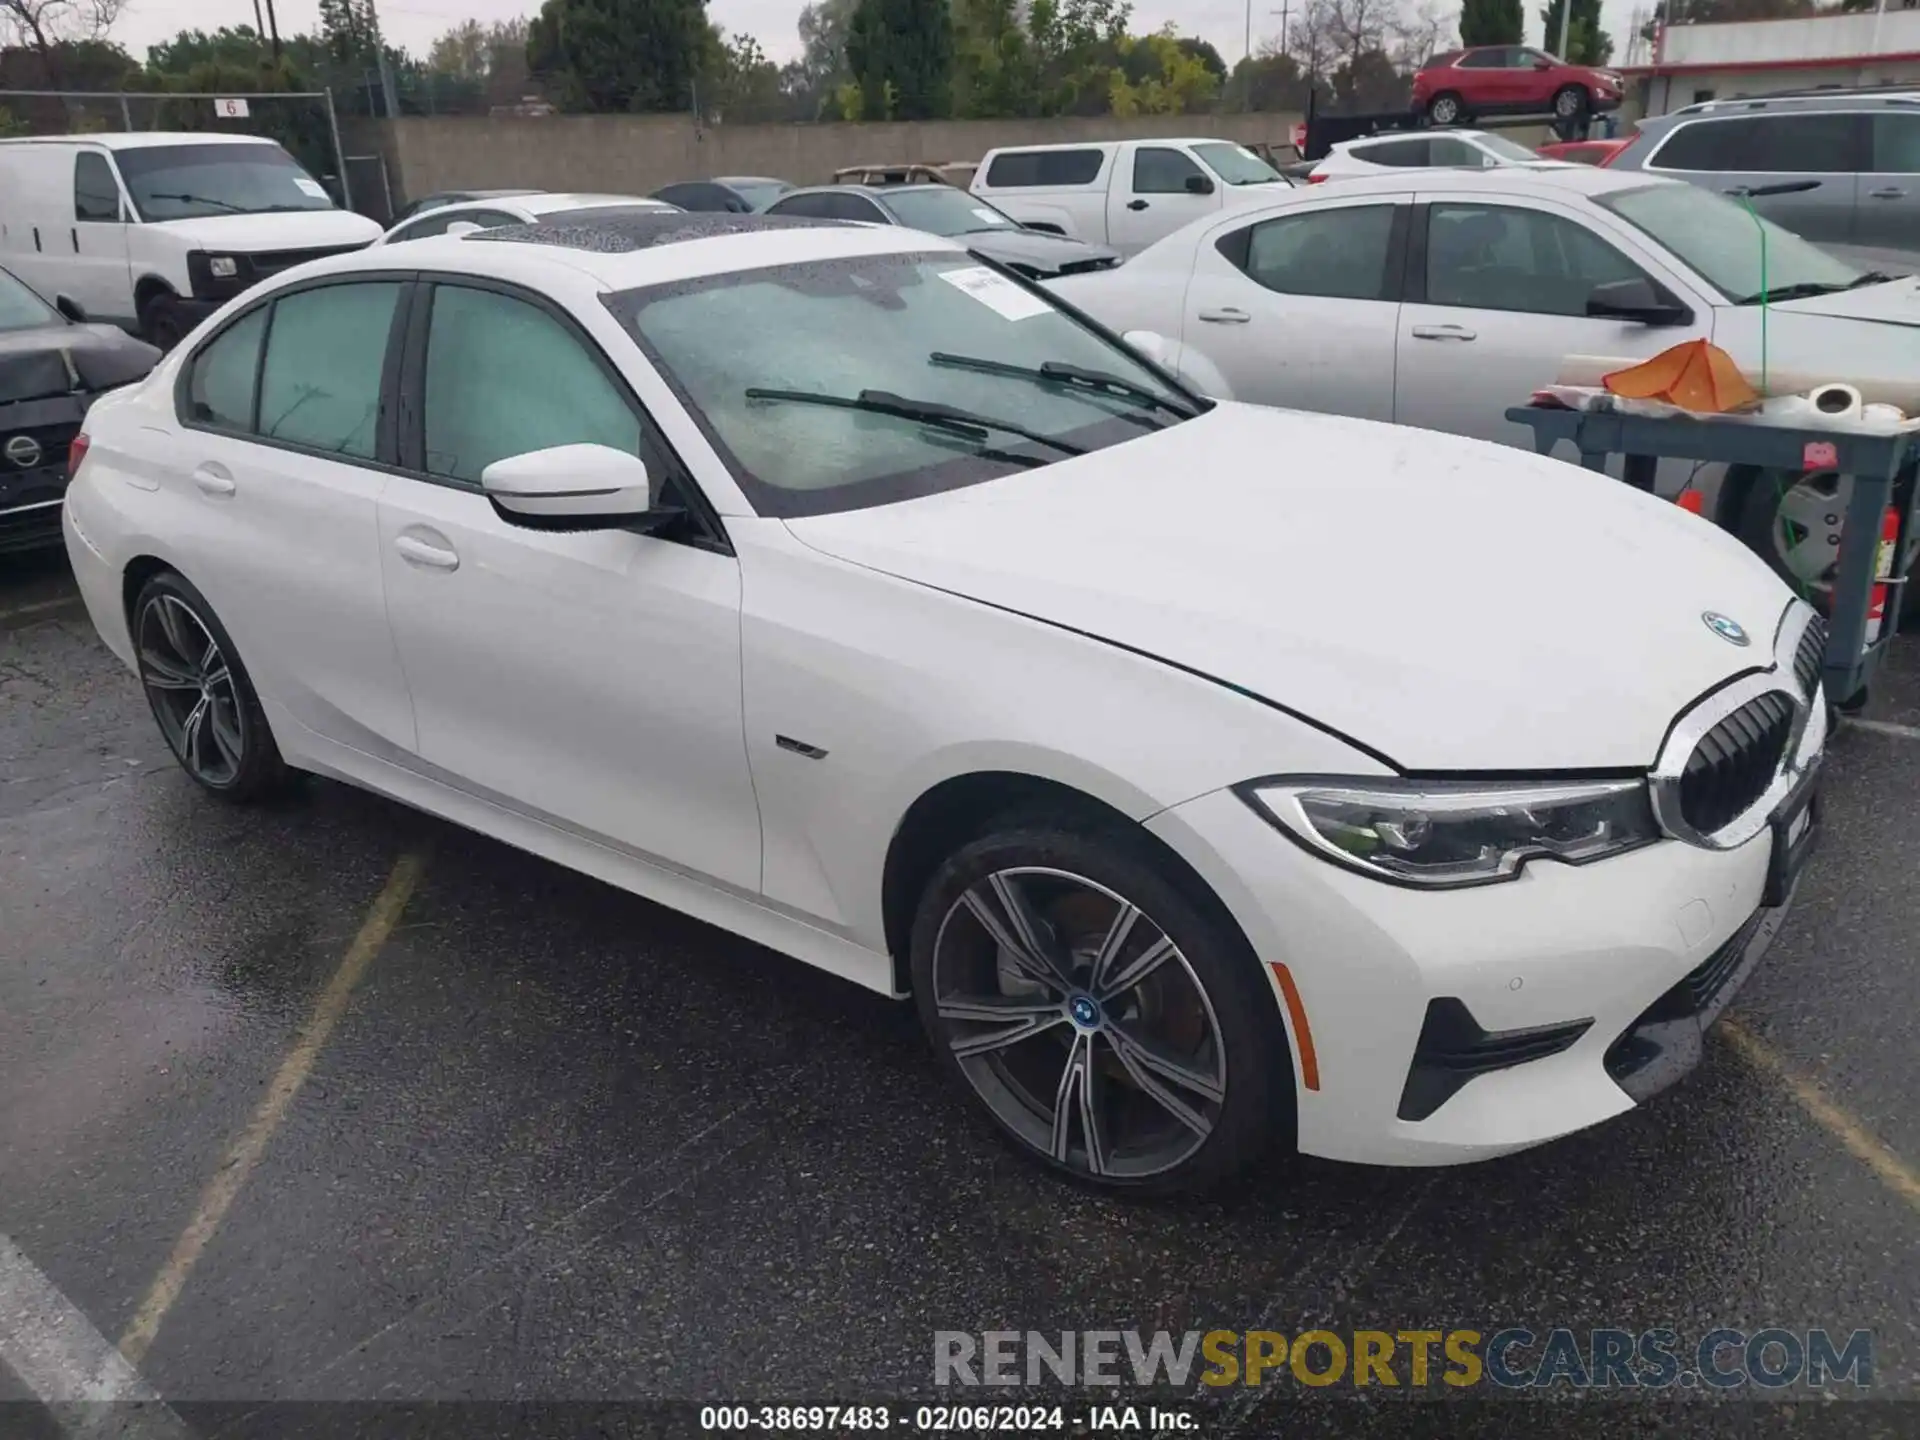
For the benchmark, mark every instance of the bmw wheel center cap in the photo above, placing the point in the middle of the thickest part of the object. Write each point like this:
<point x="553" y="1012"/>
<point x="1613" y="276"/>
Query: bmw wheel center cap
<point x="1084" y="1010"/>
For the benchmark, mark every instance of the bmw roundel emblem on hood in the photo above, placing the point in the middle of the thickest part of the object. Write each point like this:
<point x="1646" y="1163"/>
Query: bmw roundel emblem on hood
<point x="1728" y="630"/>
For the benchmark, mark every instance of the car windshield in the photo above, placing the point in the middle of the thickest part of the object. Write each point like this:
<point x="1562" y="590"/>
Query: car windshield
<point x="1721" y="241"/>
<point x="1236" y="164"/>
<point x="21" y="309"/>
<point x="758" y="193"/>
<point x="188" y="182"/>
<point x="943" y="210"/>
<point x="1505" y="148"/>
<point x="832" y="340"/>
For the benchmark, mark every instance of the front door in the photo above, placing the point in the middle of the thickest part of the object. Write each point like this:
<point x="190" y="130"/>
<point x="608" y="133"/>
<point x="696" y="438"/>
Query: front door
<point x="1887" y="214"/>
<point x="589" y="677"/>
<point x="1501" y="300"/>
<point x="99" y="277"/>
<point x="1300" y="310"/>
<point x="1153" y="201"/>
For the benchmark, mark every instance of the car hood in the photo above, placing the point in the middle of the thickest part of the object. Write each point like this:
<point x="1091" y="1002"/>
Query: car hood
<point x="1035" y="249"/>
<point x="62" y="359"/>
<point x="282" y="230"/>
<point x="1452" y="604"/>
<point x="1896" y="303"/>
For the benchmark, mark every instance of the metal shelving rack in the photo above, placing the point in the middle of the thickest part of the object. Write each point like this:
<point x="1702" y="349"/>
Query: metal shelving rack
<point x="1881" y="467"/>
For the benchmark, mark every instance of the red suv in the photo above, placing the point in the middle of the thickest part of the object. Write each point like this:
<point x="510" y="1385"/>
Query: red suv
<point x="1463" y="85"/>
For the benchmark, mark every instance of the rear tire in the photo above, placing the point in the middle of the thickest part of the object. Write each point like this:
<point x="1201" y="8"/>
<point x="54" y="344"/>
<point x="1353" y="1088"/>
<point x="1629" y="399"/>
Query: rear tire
<point x="201" y="696"/>
<point x="1445" y="109"/>
<point x="1203" y="1014"/>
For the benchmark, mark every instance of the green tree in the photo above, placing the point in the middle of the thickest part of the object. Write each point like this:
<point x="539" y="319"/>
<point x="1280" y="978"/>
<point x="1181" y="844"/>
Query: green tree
<point x="1494" y="22"/>
<point x="350" y="30"/>
<point x="1077" y="45"/>
<point x="611" y="55"/>
<point x="1272" y="80"/>
<point x="1158" y="75"/>
<point x="995" y="73"/>
<point x="1587" y="43"/>
<point x="745" y="85"/>
<point x="901" y="55"/>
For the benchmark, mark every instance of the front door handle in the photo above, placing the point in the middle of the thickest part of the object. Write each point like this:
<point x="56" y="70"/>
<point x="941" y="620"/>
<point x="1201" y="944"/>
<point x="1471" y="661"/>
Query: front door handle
<point x="426" y="554"/>
<point x="1136" y="204"/>
<point x="1442" y="332"/>
<point x="1227" y="315"/>
<point x="1887" y="192"/>
<point x="214" y="480"/>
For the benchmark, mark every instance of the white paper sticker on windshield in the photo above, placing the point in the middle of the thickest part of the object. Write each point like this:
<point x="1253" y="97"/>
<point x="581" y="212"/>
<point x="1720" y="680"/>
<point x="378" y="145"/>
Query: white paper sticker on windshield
<point x="996" y="292"/>
<point x="990" y="217"/>
<point x="310" y="187"/>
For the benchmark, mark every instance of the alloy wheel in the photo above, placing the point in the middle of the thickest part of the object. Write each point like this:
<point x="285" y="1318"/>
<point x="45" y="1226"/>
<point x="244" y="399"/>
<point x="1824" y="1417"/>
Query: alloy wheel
<point x="1079" y="1022"/>
<point x="1444" y="111"/>
<point x="191" y="686"/>
<point x="1567" y="104"/>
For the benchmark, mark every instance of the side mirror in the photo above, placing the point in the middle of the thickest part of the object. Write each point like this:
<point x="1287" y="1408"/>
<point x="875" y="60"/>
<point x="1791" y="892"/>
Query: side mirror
<point x="1639" y="301"/>
<point x="1543" y="64"/>
<point x="574" y="487"/>
<point x="71" y="308"/>
<point x="461" y="227"/>
<point x="1199" y="185"/>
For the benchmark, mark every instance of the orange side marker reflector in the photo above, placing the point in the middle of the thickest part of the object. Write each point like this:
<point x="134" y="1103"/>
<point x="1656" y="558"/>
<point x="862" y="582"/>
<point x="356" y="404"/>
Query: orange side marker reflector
<point x="1302" y="1036"/>
<point x="1692" y="501"/>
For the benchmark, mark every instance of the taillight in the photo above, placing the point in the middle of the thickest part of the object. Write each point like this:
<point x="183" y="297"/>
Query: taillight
<point x="76" y="452"/>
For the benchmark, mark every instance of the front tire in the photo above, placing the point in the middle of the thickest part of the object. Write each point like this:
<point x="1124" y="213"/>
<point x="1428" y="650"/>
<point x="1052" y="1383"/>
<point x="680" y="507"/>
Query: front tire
<point x="200" y="693"/>
<point x="161" y="323"/>
<point x="1570" y="102"/>
<point x="1107" y="1021"/>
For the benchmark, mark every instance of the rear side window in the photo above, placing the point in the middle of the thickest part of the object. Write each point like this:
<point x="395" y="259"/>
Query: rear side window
<point x="1767" y="144"/>
<point x="1160" y="171"/>
<point x="1395" y="152"/>
<point x="96" y="194"/>
<point x="1036" y="168"/>
<point x="220" y="384"/>
<point x="326" y="354"/>
<point x="1896" y="144"/>
<point x="1445" y="57"/>
<point x="1339" y="254"/>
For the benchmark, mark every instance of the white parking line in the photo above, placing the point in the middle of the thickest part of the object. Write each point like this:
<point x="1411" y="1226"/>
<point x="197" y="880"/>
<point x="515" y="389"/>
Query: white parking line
<point x="1885" y="727"/>
<point x="68" y="1365"/>
<point x="39" y="607"/>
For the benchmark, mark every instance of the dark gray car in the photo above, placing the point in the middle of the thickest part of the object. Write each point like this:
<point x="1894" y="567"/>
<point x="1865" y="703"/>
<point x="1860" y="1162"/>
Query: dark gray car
<point x="1855" y="155"/>
<point x="943" y="210"/>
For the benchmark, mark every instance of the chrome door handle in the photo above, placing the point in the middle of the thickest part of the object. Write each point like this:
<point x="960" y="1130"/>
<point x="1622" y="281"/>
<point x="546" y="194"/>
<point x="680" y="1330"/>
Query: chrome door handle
<point x="1225" y="316"/>
<point x="1887" y="192"/>
<point x="1442" y="332"/>
<point x="213" y="480"/>
<point x="416" y="551"/>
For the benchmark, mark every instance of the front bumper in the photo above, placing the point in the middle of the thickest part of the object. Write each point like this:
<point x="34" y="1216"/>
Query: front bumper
<point x="1645" y="948"/>
<point x="30" y="494"/>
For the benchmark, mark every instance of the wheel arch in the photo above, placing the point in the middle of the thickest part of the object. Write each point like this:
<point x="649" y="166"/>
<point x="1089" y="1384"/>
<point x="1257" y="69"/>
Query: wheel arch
<point x="133" y="579"/>
<point x="149" y="288"/>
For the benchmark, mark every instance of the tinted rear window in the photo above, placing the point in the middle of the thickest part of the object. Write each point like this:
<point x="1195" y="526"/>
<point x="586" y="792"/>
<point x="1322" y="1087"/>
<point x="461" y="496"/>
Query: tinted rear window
<point x="1034" y="168"/>
<point x="1770" y="144"/>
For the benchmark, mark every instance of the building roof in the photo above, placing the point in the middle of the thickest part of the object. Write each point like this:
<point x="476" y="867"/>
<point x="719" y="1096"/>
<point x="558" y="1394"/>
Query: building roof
<point x="1808" y="42"/>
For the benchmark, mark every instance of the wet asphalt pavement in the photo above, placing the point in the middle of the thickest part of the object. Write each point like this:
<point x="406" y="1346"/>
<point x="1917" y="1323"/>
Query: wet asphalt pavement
<point x="564" y="1145"/>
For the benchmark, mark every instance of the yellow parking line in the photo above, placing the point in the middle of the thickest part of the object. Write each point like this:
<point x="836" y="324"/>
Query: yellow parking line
<point x="1866" y="1147"/>
<point x="252" y="1144"/>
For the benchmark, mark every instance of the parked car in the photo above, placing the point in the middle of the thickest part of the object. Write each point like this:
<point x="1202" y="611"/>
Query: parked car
<point x="1584" y="152"/>
<point x="53" y="365"/>
<point x="1126" y="194"/>
<point x="907" y="174"/>
<point x="451" y="197"/>
<point x="960" y="653"/>
<point x="153" y="231"/>
<point x="1857" y="157"/>
<point x="529" y="207"/>
<point x="734" y="194"/>
<point x="1482" y="80"/>
<point x="1461" y="149"/>
<point x="943" y="210"/>
<point x="1309" y="301"/>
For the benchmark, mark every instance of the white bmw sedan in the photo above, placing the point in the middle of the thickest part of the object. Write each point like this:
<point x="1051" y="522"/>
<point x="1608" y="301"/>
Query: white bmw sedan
<point x="1207" y="775"/>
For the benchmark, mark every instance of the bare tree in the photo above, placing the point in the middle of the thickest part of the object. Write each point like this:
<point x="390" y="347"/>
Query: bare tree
<point x="43" y="26"/>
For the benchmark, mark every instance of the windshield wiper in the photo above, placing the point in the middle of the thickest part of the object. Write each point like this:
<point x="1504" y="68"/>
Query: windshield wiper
<point x="1873" y="277"/>
<point x="1072" y="377"/>
<point x="186" y="199"/>
<point x="923" y="412"/>
<point x="1804" y="290"/>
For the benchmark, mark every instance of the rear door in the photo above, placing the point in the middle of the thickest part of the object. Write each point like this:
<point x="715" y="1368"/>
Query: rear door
<point x="1887" y="216"/>
<point x="1824" y="151"/>
<point x="1149" y="198"/>
<point x="1299" y="310"/>
<point x="1496" y="297"/>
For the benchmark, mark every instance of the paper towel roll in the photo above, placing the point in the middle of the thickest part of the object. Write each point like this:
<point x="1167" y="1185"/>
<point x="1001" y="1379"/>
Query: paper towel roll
<point x="1884" y="416"/>
<point x="1836" y="403"/>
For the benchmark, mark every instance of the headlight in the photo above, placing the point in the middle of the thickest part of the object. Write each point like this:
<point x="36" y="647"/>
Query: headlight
<point x="1441" y="834"/>
<point x="222" y="267"/>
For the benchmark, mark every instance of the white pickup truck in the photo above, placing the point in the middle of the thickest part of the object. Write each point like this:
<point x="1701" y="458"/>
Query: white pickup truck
<point x="1123" y="193"/>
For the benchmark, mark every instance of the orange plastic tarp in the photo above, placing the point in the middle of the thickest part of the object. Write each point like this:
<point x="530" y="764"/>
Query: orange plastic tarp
<point x="1694" y="375"/>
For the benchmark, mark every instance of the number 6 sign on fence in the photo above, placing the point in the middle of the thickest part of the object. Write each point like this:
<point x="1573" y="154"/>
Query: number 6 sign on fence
<point x="230" y="109"/>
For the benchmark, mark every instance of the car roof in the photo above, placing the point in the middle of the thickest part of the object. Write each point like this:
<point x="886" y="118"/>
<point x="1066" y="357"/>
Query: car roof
<point x="745" y="180"/>
<point x="142" y="139"/>
<point x="1381" y="137"/>
<point x="1585" y="180"/>
<point x="1102" y="145"/>
<point x="1896" y="99"/>
<point x="545" y="202"/>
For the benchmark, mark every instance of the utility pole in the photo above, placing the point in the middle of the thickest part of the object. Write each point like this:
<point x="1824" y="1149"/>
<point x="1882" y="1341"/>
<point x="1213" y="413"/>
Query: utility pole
<point x="1566" y="14"/>
<point x="1282" y="13"/>
<point x="259" y="25"/>
<point x="273" y="29"/>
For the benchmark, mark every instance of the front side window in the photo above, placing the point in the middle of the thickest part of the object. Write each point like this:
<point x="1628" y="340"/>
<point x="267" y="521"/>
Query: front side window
<point x="96" y="194"/>
<point x="1721" y="241"/>
<point x="21" y="309"/>
<point x="1506" y="149"/>
<point x="1236" y="164"/>
<point x="853" y="207"/>
<point x="808" y="207"/>
<point x="1499" y="257"/>
<point x="1451" y="150"/>
<point x="1160" y="171"/>
<point x="191" y="182"/>
<point x="326" y="353"/>
<point x="1494" y="57"/>
<point x="834" y="339"/>
<point x="504" y="378"/>
<point x="220" y="384"/>
<point x="1336" y="254"/>
<point x="1896" y="144"/>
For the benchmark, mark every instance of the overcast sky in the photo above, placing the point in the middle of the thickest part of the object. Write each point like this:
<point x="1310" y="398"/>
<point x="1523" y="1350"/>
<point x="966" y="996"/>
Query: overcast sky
<point x="414" y="23"/>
